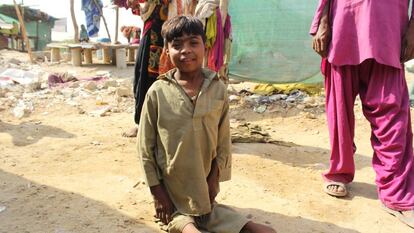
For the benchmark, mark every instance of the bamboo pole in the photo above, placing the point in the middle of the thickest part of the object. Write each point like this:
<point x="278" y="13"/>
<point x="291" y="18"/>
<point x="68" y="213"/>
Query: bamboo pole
<point x="116" y="24"/>
<point x="75" y="24"/>
<point x="23" y="28"/>
<point x="103" y="17"/>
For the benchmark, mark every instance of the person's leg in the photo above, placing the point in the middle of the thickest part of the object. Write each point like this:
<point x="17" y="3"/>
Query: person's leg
<point x="140" y="74"/>
<point x="252" y="227"/>
<point x="222" y="219"/>
<point x="341" y="86"/>
<point x="146" y="68"/>
<point x="386" y="105"/>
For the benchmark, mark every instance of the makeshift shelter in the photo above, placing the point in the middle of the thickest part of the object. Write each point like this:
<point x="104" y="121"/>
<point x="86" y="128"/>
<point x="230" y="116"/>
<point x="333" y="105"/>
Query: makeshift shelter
<point x="8" y="28"/>
<point x="38" y="25"/>
<point x="271" y="42"/>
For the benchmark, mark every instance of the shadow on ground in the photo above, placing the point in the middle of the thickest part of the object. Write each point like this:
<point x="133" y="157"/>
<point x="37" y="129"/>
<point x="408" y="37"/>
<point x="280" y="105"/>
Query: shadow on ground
<point x="32" y="207"/>
<point x="312" y="158"/>
<point x="287" y="224"/>
<point x="27" y="133"/>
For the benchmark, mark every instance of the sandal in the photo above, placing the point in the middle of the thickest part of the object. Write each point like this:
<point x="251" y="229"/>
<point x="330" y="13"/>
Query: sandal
<point x="333" y="193"/>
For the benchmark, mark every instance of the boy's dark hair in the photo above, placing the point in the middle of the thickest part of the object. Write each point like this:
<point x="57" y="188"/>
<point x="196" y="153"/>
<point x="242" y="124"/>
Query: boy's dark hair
<point x="180" y="25"/>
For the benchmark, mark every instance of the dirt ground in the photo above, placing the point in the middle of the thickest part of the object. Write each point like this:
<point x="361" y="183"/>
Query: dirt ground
<point x="62" y="171"/>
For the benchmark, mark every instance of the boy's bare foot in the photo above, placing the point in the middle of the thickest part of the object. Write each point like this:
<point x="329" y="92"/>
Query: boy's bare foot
<point x="252" y="227"/>
<point x="190" y="228"/>
<point x="132" y="133"/>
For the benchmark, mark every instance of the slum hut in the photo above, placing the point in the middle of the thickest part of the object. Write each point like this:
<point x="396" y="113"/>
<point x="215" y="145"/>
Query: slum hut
<point x="38" y="25"/>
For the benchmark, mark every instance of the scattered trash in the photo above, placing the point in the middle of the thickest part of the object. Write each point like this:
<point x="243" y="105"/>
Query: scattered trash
<point x="248" y="133"/>
<point x="103" y="73"/>
<point x="123" y="92"/>
<point x="109" y="83"/>
<point x="60" y="79"/>
<point x="23" y="109"/>
<point x="96" y="143"/>
<point x="277" y="97"/>
<point x="260" y="109"/>
<point x="14" y="61"/>
<point x="252" y="99"/>
<point x="17" y="76"/>
<point x="234" y="98"/>
<point x="101" y="112"/>
<point x="91" y="86"/>
<point x="2" y="208"/>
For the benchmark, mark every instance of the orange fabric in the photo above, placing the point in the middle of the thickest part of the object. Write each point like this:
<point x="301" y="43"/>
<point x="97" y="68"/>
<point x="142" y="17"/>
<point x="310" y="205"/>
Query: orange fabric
<point x="165" y="63"/>
<point x="179" y="7"/>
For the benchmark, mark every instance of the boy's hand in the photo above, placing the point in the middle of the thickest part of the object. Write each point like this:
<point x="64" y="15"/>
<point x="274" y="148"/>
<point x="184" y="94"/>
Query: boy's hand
<point x="213" y="182"/>
<point x="407" y="46"/>
<point x="164" y="208"/>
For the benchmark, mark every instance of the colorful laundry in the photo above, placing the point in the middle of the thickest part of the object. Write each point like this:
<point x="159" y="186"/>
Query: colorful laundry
<point x="93" y="16"/>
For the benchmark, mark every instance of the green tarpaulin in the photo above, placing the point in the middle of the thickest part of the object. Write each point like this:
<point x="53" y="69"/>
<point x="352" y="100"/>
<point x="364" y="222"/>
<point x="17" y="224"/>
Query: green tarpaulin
<point x="271" y="42"/>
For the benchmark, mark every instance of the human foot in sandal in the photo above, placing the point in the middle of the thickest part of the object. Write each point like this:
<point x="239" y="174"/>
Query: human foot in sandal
<point x="406" y="217"/>
<point x="336" y="189"/>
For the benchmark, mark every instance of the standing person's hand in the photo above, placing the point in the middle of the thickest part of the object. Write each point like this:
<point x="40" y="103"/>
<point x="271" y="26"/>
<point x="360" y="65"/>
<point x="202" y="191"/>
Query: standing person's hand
<point x="322" y="38"/>
<point x="213" y="182"/>
<point x="407" y="45"/>
<point x="164" y="208"/>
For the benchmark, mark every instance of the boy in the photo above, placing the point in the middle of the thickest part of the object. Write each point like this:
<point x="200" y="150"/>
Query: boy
<point x="184" y="138"/>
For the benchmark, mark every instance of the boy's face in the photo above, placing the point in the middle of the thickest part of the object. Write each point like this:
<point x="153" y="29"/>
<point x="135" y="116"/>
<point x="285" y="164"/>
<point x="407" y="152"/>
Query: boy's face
<point x="187" y="52"/>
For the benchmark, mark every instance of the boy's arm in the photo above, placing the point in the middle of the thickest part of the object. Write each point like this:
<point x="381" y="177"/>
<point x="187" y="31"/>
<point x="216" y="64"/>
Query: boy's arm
<point x="223" y="158"/>
<point x="213" y="181"/>
<point x="147" y="138"/>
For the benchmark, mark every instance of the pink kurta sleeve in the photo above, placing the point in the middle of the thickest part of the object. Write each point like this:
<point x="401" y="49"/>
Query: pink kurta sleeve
<point x="317" y="17"/>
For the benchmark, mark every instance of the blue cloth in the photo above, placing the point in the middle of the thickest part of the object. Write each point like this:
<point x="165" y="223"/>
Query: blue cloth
<point x="92" y="13"/>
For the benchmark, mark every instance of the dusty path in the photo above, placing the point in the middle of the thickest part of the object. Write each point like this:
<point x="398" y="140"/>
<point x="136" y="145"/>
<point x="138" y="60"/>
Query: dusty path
<point x="61" y="172"/>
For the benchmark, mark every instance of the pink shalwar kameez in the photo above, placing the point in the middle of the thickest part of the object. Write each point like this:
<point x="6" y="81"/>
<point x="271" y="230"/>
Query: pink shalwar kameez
<point x="364" y="58"/>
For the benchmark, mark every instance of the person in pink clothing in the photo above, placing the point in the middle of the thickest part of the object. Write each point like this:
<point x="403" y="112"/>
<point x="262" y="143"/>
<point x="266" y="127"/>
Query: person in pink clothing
<point x="364" y="44"/>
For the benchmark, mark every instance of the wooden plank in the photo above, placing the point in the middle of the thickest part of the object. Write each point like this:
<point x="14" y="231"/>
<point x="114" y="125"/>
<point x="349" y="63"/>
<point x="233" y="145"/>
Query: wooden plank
<point x="57" y="45"/>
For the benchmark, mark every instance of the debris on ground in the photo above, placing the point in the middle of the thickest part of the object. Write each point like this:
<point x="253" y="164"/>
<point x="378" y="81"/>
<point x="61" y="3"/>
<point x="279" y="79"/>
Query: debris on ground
<point x="244" y="132"/>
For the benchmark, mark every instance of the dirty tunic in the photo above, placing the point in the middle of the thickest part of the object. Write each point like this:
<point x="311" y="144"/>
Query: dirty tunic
<point x="178" y="140"/>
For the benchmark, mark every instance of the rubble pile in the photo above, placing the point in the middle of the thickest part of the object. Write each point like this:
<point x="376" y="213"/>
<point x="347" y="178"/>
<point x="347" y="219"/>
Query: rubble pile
<point x="25" y="87"/>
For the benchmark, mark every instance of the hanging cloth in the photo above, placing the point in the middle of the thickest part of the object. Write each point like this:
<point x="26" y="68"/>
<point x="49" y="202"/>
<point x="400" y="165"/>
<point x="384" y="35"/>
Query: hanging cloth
<point x="215" y="59"/>
<point x="205" y="8"/>
<point x="211" y="30"/>
<point x="93" y="16"/>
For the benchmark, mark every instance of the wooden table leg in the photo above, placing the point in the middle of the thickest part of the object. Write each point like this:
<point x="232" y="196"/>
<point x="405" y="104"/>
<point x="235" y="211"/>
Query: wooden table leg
<point x="76" y="56"/>
<point x="55" y="55"/>
<point x="131" y="54"/>
<point x="106" y="55"/>
<point x="88" y="56"/>
<point x="121" y="58"/>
